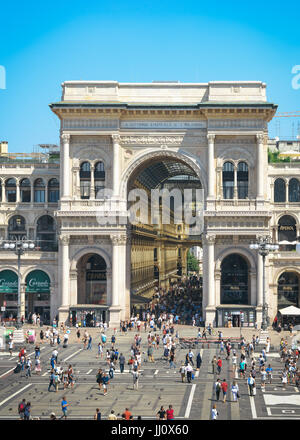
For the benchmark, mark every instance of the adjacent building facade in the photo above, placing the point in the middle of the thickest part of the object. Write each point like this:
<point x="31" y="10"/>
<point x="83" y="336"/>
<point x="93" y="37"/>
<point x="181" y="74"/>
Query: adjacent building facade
<point x="91" y="261"/>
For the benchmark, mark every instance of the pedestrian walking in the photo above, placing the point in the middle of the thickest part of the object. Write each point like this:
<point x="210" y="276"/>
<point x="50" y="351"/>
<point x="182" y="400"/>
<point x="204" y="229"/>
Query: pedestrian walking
<point x="219" y="365"/>
<point x="51" y="380"/>
<point x="21" y="409"/>
<point x="214" y="364"/>
<point x="199" y="361"/>
<point x="214" y="412"/>
<point x="135" y="378"/>
<point x="182" y="372"/>
<point x="89" y="346"/>
<point x="161" y="414"/>
<point x="218" y="389"/>
<point x="105" y="383"/>
<point x="27" y="411"/>
<point x="28" y="367"/>
<point x="64" y="407"/>
<point x="235" y="391"/>
<point x="224" y="387"/>
<point x="189" y="370"/>
<point x="122" y="362"/>
<point x="170" y="413"/>
<point x="251" y="384"/>
<point x="97" y="415"/>
<point x="99" y="378"/>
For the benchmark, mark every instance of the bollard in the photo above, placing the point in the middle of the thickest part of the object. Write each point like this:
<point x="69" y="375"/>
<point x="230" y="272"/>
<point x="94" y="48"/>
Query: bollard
<point x="208" y="345"/>
<point x="202" y="344"/>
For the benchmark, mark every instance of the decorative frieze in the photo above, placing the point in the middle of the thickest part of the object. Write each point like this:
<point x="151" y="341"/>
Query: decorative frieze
<point x="90" y="124"/>
<point x="256" y="124"/>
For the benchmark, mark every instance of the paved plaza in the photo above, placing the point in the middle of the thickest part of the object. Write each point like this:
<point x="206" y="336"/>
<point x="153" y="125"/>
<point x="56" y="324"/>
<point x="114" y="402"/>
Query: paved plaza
<point x="158" y="385"/>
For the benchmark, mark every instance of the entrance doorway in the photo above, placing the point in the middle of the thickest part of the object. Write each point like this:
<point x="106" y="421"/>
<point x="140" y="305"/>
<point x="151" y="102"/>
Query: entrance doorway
<point x="37" y="295"/>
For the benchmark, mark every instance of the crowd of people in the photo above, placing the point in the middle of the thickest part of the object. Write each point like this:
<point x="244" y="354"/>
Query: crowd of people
<point x="182" y="301"/>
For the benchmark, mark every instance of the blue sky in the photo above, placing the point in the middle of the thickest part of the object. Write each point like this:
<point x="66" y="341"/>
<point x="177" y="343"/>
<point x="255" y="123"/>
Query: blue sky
<point x="45" y="43"/>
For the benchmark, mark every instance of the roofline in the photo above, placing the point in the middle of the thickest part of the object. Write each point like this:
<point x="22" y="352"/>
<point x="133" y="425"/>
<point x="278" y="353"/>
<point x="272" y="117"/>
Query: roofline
<point x="57" y="105"/>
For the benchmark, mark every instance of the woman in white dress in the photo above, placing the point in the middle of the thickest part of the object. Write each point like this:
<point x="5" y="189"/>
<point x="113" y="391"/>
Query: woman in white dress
<point x="234" y="391"/>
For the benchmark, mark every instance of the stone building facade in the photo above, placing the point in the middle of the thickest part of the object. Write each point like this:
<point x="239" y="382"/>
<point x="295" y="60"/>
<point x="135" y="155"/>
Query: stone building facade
<point x="119" y="136"/>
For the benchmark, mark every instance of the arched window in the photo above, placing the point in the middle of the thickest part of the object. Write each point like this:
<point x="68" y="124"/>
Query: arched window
<point x="11" y="190"/>
<point x="287" y="232"/>
<point x="85" y="180"/>
<point x="279" y="191"/>
<point x="16" y="227"/>
<point x="46" y="233"/>
<point x="242" y="180"/>
<point x="294" y="190"/>
<point x="228" y="180"/>
<point x="25" y="190"/>
<point x="99" y="176"/>
<point x="53" y="191"/>
<point x="39" y="191"/>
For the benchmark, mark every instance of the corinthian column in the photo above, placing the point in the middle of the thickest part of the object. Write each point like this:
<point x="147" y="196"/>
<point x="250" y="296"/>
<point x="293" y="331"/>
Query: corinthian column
<point x="116" y="164"/>
<point x="209" y="302"/>
<point x="118" y="277"/>
<point x="211" y="166"/>
<point x="260" y="165"/>
<point x="64" y="277"/>
<point x="65" y="166"/>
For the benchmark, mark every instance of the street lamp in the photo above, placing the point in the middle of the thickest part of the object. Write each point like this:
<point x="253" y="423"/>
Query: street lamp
<point x="19" y="245"/>
<point x="264" y="246"/>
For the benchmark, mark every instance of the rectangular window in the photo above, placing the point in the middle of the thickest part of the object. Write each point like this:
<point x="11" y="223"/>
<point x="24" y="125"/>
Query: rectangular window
<point x="39" y="196"/>
<point x="53" y="195"/>
<point x="25" y="195"/>
<point x="85" y="189"/>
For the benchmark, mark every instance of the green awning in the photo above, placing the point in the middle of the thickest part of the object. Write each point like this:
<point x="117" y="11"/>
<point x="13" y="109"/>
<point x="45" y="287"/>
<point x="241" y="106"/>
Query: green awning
<point x="8" y="282"/>
<point x="37" y="281"/>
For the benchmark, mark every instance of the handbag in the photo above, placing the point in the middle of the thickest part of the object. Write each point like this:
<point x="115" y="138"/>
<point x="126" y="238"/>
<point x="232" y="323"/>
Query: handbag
<point x="238" y="395"/>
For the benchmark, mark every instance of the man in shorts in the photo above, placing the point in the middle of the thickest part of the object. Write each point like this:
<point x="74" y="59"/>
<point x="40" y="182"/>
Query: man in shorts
<point x="64" y="407"/>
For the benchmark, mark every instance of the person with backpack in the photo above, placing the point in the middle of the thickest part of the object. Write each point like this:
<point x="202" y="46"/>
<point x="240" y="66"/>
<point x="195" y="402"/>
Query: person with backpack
<point x="217" y="389"/>
<point x="99" y="378"/>
<point x="182" y="372"/>
<point x="21" y="409"/>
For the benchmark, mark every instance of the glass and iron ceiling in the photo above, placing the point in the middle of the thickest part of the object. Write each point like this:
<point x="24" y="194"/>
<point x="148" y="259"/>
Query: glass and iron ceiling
<point x="155" y="174"/>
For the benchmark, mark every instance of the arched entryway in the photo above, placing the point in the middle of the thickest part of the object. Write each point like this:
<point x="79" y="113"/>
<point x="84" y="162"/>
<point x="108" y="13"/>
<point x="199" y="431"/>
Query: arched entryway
<point x="92" y="301"/>
<point x="235" y="293"/>
<point x="8" y="294"/>
<point x="37" y="295"/>
<point x="158" y="236"/>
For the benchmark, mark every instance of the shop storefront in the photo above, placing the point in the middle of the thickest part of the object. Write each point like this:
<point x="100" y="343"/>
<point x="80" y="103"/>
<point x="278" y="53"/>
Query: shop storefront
<point x="8" y="294"/>
<point x="288" y="290"/>
<point x="88" y="315"/>
<point x="235" y="317"/>
<point x="37" y="295"/>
